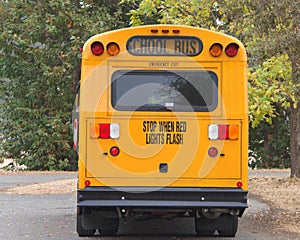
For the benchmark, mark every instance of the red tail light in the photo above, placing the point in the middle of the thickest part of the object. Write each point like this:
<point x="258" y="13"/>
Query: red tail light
<point x="97" y="48"/>
<point x="232" y="49"/>
<point x="104" y="130"/>
<point x="223" y="132"/>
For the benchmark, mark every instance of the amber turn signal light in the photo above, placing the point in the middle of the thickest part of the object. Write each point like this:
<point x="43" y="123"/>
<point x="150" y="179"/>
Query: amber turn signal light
<point x="113" y="49"/>
<point x="216" y="50"/>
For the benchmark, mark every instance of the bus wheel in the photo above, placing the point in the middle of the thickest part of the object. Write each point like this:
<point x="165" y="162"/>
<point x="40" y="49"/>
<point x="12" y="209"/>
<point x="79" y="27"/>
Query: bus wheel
<point x="203" y="227"/>
<point x="83" y="232"/>
<point x="231" y="226"/>
<point x="108" y="232"/>
<point x="205" y="233"/>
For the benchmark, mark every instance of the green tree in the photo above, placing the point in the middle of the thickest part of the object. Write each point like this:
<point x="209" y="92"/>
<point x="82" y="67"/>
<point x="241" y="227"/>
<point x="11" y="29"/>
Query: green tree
<point x="199" y="13"/>
<point x="275" y="76"/>
<point x="270" y="145"/>
<point x="270" y="31"/>
<point x="39" y="52"/>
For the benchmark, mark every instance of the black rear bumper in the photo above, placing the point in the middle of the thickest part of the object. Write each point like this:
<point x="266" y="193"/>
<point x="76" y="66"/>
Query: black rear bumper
<point x="168" y="197"/>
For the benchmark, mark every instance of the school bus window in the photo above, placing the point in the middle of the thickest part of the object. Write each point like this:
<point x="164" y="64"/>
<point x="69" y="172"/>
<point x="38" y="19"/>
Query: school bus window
<point x="182" y="91"/>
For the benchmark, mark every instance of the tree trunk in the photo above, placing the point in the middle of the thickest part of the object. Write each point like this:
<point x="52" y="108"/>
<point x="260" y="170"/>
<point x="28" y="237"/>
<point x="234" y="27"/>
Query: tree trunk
<point x="295" y="141"/>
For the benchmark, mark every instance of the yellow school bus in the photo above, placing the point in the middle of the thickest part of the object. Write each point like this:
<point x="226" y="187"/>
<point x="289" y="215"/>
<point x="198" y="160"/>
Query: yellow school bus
<point x="161" y="129"/>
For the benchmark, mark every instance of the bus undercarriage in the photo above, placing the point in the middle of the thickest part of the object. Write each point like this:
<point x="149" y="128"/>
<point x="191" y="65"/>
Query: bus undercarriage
<point x="214" y="209"/>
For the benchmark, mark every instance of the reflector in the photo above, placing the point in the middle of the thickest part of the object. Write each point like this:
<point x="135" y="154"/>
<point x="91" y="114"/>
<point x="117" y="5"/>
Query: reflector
<point x="114" y="151"/>
<point x="75" y="133"/>
<point x="212" y="152"/>
<point x="87" y="183"/>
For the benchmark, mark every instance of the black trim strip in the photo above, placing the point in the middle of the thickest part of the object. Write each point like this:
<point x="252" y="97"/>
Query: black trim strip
<point x="164" y="197"/>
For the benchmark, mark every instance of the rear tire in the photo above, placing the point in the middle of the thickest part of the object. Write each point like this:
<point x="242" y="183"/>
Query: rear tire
<point x="205" y="233"/>
<point x="232" y="226"/>
<point x="204" y="227"/>
<point x="108" y="232"/>
<point x="226" y="225"/>
<point x="83" y="232"/>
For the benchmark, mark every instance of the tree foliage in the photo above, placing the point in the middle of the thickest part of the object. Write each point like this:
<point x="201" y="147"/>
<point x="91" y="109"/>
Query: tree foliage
<point x="39" y="42"/>
<point x="270" y="31"/>
<point x="271" y="88"/>
<point x="275" y="49"/>
<point x="39" y="52"/>
<point x="204" y="13"/>
<point x="270" y="145"/>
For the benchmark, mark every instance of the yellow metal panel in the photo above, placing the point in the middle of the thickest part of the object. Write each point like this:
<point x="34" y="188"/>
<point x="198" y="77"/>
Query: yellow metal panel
<point x="179" y="140"/>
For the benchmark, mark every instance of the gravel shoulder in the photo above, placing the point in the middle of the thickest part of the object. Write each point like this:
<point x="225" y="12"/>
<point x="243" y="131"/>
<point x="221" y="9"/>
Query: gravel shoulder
<point x="282" y="194"/>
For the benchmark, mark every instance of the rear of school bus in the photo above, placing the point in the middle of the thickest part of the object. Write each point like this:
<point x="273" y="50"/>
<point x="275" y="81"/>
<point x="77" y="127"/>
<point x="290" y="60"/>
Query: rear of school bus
<point x="162" y="129"/>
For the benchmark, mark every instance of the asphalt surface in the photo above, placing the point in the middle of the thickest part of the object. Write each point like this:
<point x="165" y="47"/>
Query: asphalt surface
<point x="53" y="216"/>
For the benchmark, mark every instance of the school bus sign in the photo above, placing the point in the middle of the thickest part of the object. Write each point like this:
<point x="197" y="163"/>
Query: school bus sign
<point x="164" y="46"/>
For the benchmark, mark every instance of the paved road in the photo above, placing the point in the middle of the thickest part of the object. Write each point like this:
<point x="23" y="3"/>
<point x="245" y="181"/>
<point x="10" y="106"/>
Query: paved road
<point x="283" y="173"/>
<point x="49" y="216"/>
<point x="8" y="181"/>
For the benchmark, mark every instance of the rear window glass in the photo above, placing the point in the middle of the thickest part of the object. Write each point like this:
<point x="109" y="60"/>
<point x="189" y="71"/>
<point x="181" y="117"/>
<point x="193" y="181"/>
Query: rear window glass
<point x="179" y="91"/>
